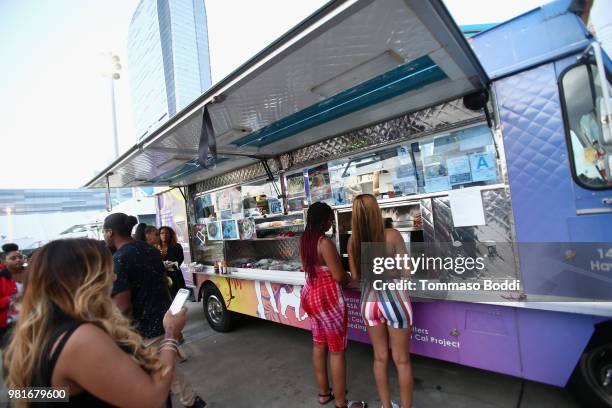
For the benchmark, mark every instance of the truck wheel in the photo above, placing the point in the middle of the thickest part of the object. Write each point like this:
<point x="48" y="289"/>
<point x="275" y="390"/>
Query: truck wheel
<point x="219" y="318"/>
<point x="593" y="382"/>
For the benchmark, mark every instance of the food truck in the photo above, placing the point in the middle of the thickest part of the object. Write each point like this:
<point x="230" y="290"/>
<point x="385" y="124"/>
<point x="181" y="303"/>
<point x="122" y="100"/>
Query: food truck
<point x="498" y="146"/>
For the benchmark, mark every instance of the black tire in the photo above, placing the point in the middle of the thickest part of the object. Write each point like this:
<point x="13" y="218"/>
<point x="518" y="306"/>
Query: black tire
<point x="592" y="380"/>
<point x="217" y="315"/>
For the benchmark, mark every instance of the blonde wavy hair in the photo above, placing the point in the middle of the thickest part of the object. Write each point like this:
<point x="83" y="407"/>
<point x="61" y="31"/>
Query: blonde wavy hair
<point x="74" y="276"/>
<point x="366" y="224"/>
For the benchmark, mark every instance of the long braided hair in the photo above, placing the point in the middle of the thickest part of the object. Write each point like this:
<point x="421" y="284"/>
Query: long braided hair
<point x="317" y="219"/>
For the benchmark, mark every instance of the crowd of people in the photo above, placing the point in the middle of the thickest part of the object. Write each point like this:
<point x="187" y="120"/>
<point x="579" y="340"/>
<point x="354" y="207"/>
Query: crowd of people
<point x="99" y="304"/>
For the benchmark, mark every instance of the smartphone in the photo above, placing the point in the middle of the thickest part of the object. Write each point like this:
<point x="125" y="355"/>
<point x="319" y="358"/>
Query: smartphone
<point x="179" y="301"/>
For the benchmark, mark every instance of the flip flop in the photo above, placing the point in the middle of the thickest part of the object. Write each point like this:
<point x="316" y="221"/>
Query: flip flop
<point x="330" y="397"/>
<point x="351" y="403"/>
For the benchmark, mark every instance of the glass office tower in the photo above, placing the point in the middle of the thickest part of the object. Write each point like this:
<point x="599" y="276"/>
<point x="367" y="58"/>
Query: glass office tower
<point x="168" y="60"/>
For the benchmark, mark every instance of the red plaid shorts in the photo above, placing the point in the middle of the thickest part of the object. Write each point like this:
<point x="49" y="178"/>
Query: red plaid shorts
<point x="322" y="299"/>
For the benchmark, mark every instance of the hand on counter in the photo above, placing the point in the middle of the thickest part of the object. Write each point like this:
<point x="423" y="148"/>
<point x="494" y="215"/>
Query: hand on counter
<point x="351" y="283"/>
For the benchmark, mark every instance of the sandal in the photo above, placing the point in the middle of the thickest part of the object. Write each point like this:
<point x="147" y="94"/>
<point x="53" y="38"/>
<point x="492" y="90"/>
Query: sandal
<point x="329" y="397"/>
<point x="351" y="403"/>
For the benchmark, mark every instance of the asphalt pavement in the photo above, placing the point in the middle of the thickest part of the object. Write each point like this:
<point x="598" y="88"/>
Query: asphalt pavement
<point x="264" y="364"/>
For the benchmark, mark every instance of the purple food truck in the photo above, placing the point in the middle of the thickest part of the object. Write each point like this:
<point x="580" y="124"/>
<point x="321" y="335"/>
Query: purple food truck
<point x="499" y="147"/>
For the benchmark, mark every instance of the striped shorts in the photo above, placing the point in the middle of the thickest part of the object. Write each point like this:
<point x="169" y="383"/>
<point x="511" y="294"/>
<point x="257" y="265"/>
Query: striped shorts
<point x="386" y="306"/>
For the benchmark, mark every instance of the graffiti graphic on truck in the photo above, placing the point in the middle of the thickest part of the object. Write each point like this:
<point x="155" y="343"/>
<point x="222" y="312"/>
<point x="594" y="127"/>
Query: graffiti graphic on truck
<point x="286" y="295"/>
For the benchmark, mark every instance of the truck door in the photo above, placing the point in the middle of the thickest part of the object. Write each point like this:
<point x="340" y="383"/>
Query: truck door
<point x="584" y="88"/>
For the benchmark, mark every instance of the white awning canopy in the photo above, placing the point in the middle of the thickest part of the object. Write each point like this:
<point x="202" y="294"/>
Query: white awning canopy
<point x="351" y="64"/>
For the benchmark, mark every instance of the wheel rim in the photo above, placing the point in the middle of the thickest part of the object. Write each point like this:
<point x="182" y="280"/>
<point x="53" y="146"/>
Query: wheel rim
<point x="215" y="309"/>
<point x="605" y="378"/>
<point x="601" y="372"/>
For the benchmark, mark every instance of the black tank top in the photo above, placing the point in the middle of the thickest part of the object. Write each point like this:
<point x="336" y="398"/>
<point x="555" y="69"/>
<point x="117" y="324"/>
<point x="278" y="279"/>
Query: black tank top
<point x="42" y="378"/>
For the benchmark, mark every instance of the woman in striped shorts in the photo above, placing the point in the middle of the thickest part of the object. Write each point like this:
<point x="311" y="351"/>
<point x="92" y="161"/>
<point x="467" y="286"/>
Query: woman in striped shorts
<point x="386" y="313"/>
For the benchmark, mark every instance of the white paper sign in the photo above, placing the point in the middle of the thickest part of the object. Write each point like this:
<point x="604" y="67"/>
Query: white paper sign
<point x="466" y="207"/>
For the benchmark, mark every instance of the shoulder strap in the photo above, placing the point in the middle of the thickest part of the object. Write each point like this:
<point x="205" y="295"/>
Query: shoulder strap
<point x="64" y="331"/>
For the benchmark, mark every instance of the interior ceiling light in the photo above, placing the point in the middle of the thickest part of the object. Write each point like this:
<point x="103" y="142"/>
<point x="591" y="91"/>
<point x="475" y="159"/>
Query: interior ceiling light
<point x="360" y="73"/>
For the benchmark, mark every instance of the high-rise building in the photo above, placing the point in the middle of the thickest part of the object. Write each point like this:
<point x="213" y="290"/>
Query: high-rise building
<point x="168" y="59"/>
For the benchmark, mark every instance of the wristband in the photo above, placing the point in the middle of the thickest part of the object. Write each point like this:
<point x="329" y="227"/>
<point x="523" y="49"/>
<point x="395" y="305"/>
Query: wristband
<point x="169" y="341"/>
<point x="168" y="347"/>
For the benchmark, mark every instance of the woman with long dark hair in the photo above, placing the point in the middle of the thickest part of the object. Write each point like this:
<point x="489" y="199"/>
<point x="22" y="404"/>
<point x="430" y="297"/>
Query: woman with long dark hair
<point x="387" y="314"/>
<point x="322" y="299"/>
<point x="69" y="324"/>
<point x="173" y="257"/>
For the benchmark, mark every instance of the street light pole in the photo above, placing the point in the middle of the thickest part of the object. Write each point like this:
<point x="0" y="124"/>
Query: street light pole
<point x="112" y="73"/>
<point x="114" y="117"/>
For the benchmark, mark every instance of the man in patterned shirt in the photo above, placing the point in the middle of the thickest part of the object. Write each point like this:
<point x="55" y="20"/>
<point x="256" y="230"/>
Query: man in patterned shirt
<point x="140" y="291"/>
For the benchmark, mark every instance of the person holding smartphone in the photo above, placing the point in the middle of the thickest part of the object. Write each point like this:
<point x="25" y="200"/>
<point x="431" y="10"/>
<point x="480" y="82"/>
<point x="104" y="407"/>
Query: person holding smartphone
<point x="140" y="291"/>
<point x="69" y="324"/>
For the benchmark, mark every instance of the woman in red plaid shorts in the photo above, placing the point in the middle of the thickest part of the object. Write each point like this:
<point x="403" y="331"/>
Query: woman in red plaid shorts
<point x="322" y="299"/>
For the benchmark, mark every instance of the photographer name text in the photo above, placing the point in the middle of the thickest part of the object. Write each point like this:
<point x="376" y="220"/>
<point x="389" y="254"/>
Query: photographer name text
<point x="508" y="285"/>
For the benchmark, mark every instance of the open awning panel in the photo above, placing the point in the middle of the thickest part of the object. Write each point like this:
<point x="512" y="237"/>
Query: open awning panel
<point x="351" y="64"/>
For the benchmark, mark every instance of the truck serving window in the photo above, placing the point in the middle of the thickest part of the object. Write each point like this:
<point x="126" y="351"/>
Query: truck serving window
<point x="590" y="154"/>
<point x="437" y="163"/>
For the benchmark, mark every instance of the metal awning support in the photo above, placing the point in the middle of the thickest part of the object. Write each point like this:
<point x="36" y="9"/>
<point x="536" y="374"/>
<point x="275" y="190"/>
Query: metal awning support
<point x="109" y="202"/>
<point x="266" y="166"/>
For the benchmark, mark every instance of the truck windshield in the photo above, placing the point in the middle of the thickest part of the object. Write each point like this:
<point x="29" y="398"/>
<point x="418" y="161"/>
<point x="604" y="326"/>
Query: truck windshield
<point x="590" y="146"/>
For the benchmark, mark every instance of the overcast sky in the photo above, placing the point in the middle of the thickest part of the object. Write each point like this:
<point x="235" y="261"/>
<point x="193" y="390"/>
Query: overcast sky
<point x="55" y="103"/>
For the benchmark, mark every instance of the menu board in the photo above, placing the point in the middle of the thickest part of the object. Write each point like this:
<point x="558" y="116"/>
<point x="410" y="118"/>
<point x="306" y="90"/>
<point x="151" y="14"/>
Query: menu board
<point x="345" y="186"/>
<point x="459" y="169"/>
<point x="436" y="174"/>
<point x="229" y="203"/>
<point x="204" y="207"/>
<point x="275" y="206"/>
<point x="319" y="184"/>
<point x="444" y="144"/>
<point x="474" y="138"/>
<point x="296" y="192"/>
<point x="404" y="179"/>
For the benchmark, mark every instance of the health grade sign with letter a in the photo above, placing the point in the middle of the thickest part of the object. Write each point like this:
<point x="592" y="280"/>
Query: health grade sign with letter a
<point x="483" y="166"/>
